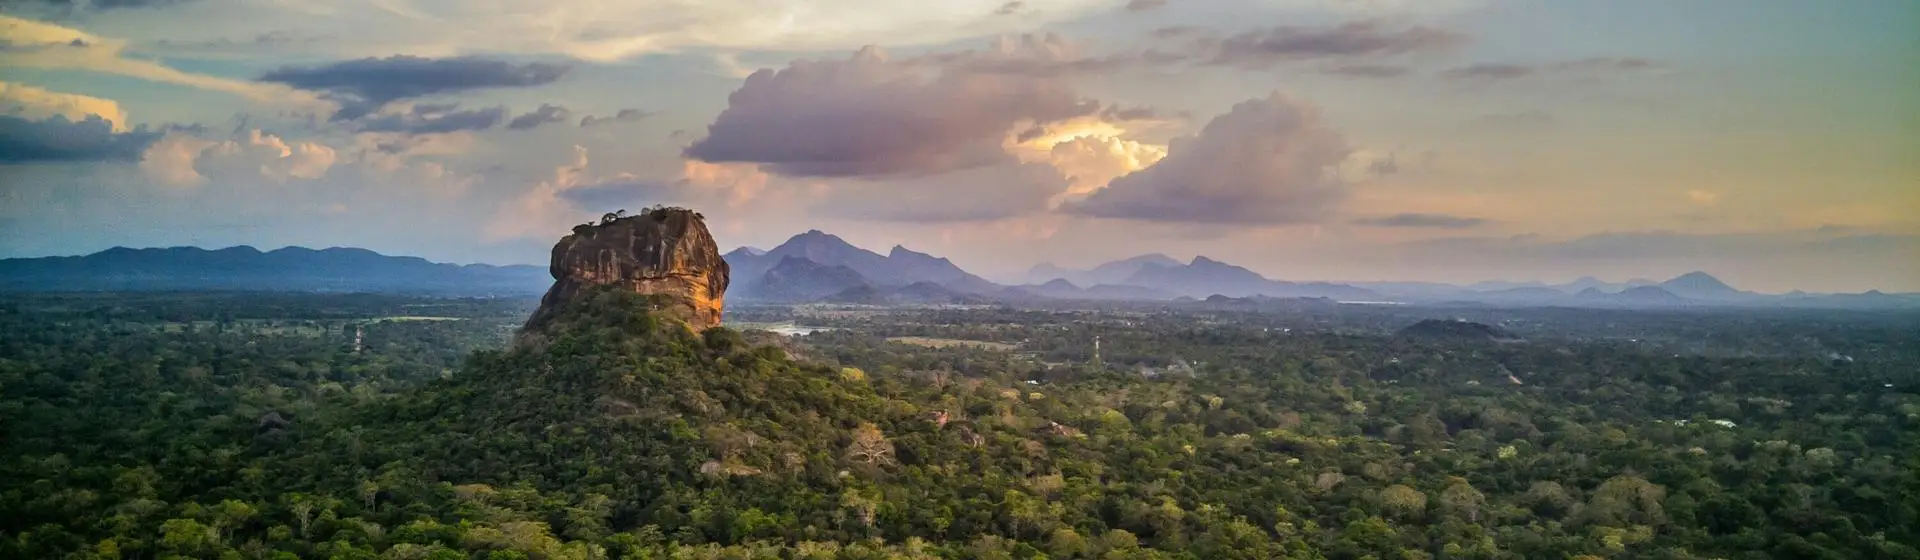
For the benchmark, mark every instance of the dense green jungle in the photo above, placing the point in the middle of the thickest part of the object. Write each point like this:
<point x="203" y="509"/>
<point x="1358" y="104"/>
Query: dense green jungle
<point x="245" y="425"/>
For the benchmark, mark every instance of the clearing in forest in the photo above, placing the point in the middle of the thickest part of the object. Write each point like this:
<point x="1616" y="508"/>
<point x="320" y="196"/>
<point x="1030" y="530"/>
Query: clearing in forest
<point x="946" y="342"/>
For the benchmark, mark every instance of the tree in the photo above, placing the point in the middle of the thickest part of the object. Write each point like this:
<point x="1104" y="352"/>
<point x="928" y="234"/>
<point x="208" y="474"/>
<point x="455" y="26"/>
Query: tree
<point x="1403" y="501"/>
<point x="1626" y="500"/>
<point x="1461" y="499"/>
<point x="870" y="446"/>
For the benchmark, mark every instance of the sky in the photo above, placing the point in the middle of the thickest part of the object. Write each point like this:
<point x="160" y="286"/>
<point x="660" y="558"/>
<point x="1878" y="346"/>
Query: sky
<point x="1773" y="143"/>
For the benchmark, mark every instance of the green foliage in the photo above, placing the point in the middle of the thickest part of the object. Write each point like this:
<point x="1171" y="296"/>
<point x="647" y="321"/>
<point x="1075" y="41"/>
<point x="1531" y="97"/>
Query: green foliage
<point x="212" y="428"/>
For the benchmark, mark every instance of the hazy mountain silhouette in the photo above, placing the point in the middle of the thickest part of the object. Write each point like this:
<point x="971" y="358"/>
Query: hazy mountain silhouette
<point x="900" y="267"/>
<point x="338" y="269"/>
<point x="1115" y="272"/>
<point x="1204" y="277"/>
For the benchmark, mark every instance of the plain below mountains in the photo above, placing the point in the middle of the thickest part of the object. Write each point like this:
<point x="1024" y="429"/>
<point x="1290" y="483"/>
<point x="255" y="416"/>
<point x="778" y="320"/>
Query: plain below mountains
<point x="820" y="267"/>
<point x="290" y="269"/>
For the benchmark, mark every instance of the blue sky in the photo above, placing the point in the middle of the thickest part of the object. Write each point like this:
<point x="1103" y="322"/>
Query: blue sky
<point x="1773" y="143"/>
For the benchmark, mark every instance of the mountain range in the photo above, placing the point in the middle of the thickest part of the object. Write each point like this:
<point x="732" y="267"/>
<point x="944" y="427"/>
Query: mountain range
<point x="821" y="267"/>
<point x="816" y="265"/>
<point x="337" y="269"/>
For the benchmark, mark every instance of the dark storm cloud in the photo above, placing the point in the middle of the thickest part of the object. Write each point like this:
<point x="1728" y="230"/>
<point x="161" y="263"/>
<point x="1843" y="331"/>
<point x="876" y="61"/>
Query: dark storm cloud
<point x="1145" y="5"/>
<point x="625" y="115"/>
<point x="1434" y="221"/>
<point x="545" y="114"/>
<point x="61" y="140"/>
<point x="1264" y="48"/>
<point x="1267" y="161"/>
<point x="432" y="119"/>
<point x="871" y="116"/>
<point x="363" y="86"/>
<point x="1491" y="72"/>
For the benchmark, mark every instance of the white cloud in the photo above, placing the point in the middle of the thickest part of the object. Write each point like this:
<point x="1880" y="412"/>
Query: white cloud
<point x="41" y="104"/>
<point x="186" y="160"/>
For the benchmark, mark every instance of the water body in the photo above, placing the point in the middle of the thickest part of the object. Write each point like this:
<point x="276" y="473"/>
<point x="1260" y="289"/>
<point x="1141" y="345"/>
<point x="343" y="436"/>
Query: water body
<point x="787" y="329"/>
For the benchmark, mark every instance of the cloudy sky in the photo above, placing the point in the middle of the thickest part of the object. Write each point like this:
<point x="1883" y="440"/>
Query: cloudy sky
<point x="1774" y="143"/>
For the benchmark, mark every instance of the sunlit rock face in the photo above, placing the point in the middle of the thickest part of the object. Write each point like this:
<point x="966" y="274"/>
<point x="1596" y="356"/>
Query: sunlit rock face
<point x="664" y="252"/>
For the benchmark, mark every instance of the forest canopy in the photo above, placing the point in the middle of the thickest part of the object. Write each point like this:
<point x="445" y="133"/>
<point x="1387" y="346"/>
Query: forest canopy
<point x="334" y="427"/>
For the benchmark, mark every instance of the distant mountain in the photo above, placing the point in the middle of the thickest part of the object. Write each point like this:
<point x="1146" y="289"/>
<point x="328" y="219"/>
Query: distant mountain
<point x="1115" y="272"/>
<point x="1497" y="285"/>
<point x="796" y="279"/>
<point x="293" y="269"/>
<point x="1205" y="277"/>
<point x="1646" y="295"/>
<point x="1699" y="285"/>
<point x="921" y="267"/>
<point x="900" y="267"/>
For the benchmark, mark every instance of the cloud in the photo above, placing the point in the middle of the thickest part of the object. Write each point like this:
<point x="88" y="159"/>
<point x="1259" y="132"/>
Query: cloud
<point x="60" y="139"/>
<point x="971" y="195"/>
<point x="1367" y="70"/>
<point x="1145" y="5"/>
<point x="364" y="85"/>
<point x="1092" y="162"/>
<point x="1414" y="220"/>
<point x="545" y="114"/>
<point x="624" y="116"/>
<point x="613" y="194"/>
<point x="1662" y="244"/>
<point x="253" y="44"/>
<point x="1493" y="72"/>
<point x="431" y="119"/>
<point x="870" y="116"/>
<point x="1356" y="39"/>
<point x="1267" y="161"/>
<point x="1703" y="197"/>
<point x="1043" y="56"/>
<point x="567" y="196"/>
<point x="1490" y="72"/>
<point x="30" y="102"/>
<point x="93" y="5"/>
<point x="187" y="160"/>
<point x="1009" y="8"/>
<point x="40" y="45"/>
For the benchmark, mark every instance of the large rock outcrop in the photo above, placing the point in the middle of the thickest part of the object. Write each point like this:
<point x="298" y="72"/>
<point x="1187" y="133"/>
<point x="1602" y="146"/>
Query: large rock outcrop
<point x="666" y="252"/>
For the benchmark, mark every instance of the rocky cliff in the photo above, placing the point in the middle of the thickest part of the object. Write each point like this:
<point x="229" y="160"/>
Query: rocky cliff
<point x="666" y="252"/>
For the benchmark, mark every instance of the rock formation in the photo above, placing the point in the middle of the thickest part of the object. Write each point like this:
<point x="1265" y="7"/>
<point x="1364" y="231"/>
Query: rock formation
<point x="665" y="251"/>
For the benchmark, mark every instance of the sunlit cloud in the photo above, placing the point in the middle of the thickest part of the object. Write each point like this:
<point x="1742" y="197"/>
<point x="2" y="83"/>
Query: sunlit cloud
<point x="40" y="45"/>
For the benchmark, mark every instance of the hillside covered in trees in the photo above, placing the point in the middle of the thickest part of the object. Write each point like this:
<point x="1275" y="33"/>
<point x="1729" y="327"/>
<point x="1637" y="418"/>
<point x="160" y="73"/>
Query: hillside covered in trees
<point x="343" y="427"/>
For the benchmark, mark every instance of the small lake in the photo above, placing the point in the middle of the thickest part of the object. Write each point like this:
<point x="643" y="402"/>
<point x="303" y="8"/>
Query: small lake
<point x="787" y="329"/>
